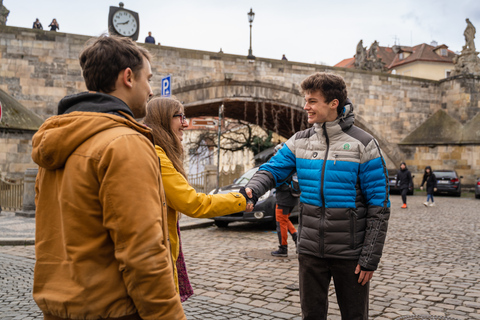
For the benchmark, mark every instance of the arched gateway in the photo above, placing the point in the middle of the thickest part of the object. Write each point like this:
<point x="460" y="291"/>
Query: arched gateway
<point x="272" y="107"/>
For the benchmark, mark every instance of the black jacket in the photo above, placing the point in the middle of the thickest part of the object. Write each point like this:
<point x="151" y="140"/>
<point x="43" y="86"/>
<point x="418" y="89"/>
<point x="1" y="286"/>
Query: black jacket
<point x="431" y="181"/>
<point x="404" y="178"/>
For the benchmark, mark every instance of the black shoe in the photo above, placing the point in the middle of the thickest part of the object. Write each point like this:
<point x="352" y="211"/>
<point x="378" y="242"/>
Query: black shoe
<point x="281" y="252"/>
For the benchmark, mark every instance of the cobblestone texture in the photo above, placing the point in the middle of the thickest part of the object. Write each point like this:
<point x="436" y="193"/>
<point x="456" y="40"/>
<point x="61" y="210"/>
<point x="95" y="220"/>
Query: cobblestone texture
<point x="430" y="270"/>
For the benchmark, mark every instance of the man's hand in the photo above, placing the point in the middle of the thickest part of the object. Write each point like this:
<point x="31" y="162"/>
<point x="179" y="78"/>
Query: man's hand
<point x="421" y="188"/>
<point x="435" y="189"/>
<point x="250" y="196"/>
<point x="365" y="276"/>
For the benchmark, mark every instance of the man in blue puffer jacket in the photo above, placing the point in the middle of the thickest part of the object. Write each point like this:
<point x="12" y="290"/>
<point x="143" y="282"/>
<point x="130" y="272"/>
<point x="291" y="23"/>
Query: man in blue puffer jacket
<point x="344" y="202"/>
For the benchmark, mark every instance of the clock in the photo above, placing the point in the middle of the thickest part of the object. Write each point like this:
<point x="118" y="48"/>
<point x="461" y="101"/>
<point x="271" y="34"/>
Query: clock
<point x="123" y="22"/>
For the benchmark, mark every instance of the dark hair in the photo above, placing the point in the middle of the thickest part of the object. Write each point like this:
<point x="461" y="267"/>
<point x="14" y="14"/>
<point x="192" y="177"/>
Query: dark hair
<point x="330" y="85"/>
<point x="159" y="117"/>
<point x="103" y="59"/>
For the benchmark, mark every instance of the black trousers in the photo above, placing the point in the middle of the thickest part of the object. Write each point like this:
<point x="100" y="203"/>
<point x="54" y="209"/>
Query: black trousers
<point x="315" y="275"/>
<point x="404" y="195"/>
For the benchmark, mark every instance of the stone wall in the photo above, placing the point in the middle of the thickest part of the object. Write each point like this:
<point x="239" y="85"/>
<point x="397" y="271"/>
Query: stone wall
<point x="15" y="154"/>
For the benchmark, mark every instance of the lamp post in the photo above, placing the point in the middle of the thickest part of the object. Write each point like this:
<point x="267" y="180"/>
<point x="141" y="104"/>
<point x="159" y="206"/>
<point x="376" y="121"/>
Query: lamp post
<point x="251" y="15"/>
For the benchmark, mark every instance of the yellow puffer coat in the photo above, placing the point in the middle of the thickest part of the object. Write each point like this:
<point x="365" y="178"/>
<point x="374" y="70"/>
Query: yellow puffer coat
<point x="182" y="197"/>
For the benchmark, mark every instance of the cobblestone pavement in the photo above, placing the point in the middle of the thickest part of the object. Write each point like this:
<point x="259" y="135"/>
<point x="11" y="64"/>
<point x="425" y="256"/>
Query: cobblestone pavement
<point x="430" y="268"/>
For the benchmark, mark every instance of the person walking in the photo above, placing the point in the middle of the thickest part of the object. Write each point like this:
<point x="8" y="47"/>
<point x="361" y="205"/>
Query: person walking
<point x="286" y="195"/>
<point x="101" y="243"/>
<point x="37" y="25"/>
<point x="149" y="38"/>
<point x="54" y="25"/>
<point x="404" y="181"/>
<point x="166" y="118"/>
<point x="431" y="180"/>
<point x="345" y="203"/>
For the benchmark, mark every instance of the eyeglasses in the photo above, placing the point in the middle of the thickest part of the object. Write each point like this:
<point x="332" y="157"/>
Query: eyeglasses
<point x="183" y="119"/>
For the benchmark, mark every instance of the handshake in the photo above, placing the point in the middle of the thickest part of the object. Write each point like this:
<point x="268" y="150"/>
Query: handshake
<point x="250" y="196"/>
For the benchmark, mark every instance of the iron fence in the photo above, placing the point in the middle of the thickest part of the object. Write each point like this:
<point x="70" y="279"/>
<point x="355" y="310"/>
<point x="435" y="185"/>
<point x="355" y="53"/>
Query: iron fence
<point x="11" y="194"/>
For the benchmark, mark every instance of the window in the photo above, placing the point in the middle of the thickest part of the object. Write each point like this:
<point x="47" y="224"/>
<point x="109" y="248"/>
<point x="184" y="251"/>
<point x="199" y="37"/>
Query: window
<point x="443" y="52"/>
<point x="448" y="73"/>
<point x="400" y="56"/>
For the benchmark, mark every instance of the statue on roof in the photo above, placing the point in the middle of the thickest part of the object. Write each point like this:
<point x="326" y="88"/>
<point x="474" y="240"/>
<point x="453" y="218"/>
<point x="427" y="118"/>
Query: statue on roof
<point x="469" y="34"/>
<point x="372" y="53"/>
<point x="3" y="14"/>
<point x="360" y="56"/>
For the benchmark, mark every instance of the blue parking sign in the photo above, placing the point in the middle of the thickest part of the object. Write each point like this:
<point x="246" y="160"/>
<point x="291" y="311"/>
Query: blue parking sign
<point x="166" y="82"/>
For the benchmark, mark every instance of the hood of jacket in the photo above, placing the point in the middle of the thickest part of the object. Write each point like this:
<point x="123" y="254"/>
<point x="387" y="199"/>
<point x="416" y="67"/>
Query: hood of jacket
<point x="341" y="124"/>
<point x="83" y="116"/>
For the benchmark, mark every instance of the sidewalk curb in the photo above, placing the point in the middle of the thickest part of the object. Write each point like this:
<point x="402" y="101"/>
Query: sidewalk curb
<point x="17" y="241"/>
<point x="31" y="241"/>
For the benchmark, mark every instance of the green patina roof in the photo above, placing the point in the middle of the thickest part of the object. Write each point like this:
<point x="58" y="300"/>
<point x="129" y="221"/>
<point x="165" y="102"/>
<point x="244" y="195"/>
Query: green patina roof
<point x="441" y="128"/>
<point x="16" y="116"/>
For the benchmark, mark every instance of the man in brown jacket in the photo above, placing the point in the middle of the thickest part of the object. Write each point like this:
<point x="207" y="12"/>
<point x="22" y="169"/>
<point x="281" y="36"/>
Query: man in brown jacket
<point x="101" y="235"/>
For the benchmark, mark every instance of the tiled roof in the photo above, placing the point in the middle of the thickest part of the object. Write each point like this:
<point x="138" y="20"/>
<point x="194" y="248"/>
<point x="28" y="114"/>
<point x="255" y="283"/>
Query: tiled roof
<point x="346" y="63"/>
<point x="423" y="52"/>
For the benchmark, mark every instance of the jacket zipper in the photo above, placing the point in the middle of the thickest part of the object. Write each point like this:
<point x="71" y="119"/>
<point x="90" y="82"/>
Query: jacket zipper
<point x="322" y="195"/>
<point x="353" y="219"/>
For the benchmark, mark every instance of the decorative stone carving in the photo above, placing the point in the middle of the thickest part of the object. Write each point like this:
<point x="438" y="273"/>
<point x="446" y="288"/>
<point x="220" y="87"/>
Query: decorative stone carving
<point x="368" y="60"/>
<point x="468" y="61"/>
<point x="3" y="14"/>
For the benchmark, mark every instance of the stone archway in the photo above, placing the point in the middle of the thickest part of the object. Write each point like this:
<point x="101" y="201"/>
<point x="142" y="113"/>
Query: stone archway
<point x="273" y="107"/>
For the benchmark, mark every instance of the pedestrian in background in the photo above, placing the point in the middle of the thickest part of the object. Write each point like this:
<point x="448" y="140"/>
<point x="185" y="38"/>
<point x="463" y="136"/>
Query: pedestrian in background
<point x="431" y="180"/>
<point x="284" y="58"/>
<point x="286" y="195"/>
<point x="166" y="118"/>
<point x="37" y="25"/>
<point x="101" y="245"/>
<point x="345" y="201"/>
<point x="54" y="25"/>
<point x="149" y="38"/>
<point x="404" y="181"/>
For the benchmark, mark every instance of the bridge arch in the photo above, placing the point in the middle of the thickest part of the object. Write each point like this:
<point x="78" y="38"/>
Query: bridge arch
<point x="270" y="106"/>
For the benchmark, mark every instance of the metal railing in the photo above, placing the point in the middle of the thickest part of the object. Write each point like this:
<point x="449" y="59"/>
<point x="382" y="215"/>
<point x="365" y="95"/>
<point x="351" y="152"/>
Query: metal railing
<point x="197" y="181"/>
<point x="11" y="194"/>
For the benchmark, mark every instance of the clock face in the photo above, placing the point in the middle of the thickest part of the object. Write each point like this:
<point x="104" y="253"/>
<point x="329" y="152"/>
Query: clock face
<point x="124" y="23"/>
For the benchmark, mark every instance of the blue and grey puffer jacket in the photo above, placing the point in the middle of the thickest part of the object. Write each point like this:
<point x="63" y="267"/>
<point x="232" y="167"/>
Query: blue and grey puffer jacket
<point x="343" y="178"/>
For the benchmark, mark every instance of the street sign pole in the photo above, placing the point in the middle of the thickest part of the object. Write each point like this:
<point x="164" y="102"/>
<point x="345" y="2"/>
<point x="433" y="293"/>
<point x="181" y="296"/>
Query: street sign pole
<point x="220" y="116"/>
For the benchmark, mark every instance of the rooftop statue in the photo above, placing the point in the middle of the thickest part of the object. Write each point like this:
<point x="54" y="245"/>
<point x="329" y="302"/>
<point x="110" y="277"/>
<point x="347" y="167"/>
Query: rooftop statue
<point x="469" y="34"/>
<point x="3" y="14"/>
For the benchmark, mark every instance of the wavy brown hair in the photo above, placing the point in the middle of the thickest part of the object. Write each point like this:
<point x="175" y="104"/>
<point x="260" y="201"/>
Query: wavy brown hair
<point x="159" y="117"/>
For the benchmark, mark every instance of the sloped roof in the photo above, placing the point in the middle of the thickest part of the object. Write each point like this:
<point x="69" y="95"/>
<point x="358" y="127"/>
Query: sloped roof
<point x="422" y="52"/>
<point x="441" y="128"/>
<point x="346" y="63"/>
<point x="16" y="116"/>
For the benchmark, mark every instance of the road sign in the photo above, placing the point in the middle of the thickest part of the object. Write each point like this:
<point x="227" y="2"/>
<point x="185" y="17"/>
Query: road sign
<point x="166" y="84"/>
<point x="203" y="122"/>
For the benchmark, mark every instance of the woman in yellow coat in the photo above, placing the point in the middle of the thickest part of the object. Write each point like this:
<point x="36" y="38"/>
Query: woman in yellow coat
<point x="165" y="116"/>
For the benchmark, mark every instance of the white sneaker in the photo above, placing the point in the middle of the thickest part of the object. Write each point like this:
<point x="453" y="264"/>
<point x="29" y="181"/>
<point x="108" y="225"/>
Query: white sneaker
<point x="432" y="204"/>
<point x="425" y="204"/>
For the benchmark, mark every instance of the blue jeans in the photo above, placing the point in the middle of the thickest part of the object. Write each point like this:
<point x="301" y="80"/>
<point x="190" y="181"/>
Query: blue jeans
<point x="430" y="196"/>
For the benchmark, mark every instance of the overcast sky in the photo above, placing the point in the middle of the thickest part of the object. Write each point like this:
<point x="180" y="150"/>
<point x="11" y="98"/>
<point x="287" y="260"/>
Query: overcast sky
<point x="311" y="31"/>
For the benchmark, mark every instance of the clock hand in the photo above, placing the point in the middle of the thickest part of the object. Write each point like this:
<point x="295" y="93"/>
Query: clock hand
<point x="124" y="22"/>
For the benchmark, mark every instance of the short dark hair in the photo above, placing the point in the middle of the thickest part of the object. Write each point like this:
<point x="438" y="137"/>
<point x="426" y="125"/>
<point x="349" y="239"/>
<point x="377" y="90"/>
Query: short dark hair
<point x="331" y="86"/>
<point x="104" y="57"/>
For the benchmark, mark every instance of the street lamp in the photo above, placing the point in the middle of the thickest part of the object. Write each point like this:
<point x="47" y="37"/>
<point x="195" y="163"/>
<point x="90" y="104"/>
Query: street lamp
<point x="251" y="15"/>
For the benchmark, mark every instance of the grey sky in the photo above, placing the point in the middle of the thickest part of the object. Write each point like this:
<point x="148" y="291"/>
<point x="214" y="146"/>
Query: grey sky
<point x="311" y="31"/>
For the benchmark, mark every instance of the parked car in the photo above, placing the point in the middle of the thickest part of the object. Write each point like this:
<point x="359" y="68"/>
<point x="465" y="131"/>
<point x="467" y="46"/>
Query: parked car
<point x="392" y="183"/>
<point x="477" y="188"/>
<point x="264" y="210"/>
<point x="448" y="182"/>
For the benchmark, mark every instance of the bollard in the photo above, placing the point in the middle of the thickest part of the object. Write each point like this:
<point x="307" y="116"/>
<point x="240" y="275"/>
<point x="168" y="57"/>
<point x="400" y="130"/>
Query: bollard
<point x="28" y="209"/>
